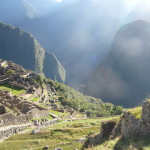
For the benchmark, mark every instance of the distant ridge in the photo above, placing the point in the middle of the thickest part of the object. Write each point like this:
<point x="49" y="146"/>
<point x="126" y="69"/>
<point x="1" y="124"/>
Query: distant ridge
<point x="123" y="78"/>
<point x="22" y="48"/>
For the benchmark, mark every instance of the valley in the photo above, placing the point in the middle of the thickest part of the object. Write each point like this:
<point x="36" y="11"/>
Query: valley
<point x="74" y="75"/>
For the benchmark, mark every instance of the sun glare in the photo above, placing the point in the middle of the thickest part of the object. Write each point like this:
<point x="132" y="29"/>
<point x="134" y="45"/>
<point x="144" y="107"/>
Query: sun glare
<point x="58" y="1"/>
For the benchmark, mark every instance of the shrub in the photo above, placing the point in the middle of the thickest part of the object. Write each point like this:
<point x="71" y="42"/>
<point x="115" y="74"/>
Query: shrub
<point x="9" y="72"/>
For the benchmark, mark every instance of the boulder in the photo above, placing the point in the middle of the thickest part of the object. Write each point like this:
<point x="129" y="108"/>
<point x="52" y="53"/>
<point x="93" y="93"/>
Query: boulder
<point x="46" y="147"/>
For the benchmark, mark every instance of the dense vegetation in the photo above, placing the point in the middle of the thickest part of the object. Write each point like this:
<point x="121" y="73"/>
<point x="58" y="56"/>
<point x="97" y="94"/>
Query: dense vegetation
<point x="82" y="103"/>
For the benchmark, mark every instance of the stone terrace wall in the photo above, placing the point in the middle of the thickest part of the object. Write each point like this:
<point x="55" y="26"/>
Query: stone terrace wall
<point x="145" y="122"/>
<point x="10" y="119"/>
<point x="130" y="125"/>
<point x="36" y="113"/>
<point x="8" y="131"/>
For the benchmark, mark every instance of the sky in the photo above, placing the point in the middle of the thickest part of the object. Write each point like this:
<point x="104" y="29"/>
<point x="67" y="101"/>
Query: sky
<point x="58" y="1"/>
<point x="130" y="4"/>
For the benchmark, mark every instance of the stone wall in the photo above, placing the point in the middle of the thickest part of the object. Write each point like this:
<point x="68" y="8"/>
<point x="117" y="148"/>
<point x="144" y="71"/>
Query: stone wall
<point x="36" y="113"/>
<point x="133" y="127"/>
<point x="105" y="132"/>
<point x="2" y="109"/>
<point x="10" y="119"/>
<point x="8" y="131"/>
<point x="130" y="125"/>
<point x="145" y="121"/>
<point x="18" y="85"/>
<point x="45" y="122"/>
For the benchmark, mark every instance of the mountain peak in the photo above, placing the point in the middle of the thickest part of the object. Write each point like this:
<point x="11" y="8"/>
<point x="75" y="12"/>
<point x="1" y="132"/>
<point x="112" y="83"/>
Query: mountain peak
<point x="22" y="48"/>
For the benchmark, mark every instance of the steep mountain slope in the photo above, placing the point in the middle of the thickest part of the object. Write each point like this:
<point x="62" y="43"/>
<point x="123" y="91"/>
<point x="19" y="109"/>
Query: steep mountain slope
<point x="123" y="78"/>
<point x="73" y="30"/>
<point x="50" y="94"/>
<point x="24" y="49"/>
<point x="53" y="68"/>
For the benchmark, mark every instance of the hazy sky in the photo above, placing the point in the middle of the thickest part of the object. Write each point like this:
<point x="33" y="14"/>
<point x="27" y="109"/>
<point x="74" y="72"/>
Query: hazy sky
<point x="58" y="1"/>
<point x="130" y="4"/>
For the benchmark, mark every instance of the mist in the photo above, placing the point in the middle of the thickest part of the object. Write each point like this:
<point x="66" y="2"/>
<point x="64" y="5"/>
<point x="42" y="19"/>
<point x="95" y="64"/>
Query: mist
<point x="81" y="34"/>
<point x="123" y="78"/>
<point x="78" y="32"/>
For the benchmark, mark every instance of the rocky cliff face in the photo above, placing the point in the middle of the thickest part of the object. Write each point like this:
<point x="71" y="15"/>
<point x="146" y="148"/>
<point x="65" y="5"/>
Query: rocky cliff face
<point x="53" y="68"/>
<point x="123" y="78"/>
<point x="25" y="50"/>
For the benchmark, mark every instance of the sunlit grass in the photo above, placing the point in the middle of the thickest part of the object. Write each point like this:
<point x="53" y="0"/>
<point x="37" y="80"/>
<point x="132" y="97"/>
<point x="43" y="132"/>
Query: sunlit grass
<point x="14" y="90"/>
<point x="59" y="114"/>
<point x="65" y="135"/>
<point x="36" y="99"/>
<point x="137" y="112"/>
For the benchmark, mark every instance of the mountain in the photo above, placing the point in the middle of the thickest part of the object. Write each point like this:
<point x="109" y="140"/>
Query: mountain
<point x="51" y="94"/>
<point x="22" y="48"/>
<point x="123" y="78"/>
<point x="73" y="30"/>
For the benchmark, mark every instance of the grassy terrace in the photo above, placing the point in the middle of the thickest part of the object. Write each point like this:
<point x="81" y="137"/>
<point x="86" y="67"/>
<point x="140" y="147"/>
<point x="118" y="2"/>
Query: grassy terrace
<point x="124" y="144"/>
<point x="65" y="135"/>
<point x="36" y="99"/>
<point x="15" y="90"/>
<point x="137" y="112"/>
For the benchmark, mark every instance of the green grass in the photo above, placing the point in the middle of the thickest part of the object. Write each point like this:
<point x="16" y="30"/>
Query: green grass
<point x="137" y="112"/>
<point x="36" y="99"/>
<point x="124" y="144"/>
<point x="59" y="114"/>
<point x="91" y="106"/>
<point x="63" y="135"/>
<point x="8" y="110"/>
<point x="15" y="90"/>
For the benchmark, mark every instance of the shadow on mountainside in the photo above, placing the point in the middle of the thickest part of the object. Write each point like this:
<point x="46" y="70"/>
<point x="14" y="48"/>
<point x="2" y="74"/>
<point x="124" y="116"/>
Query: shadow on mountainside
<point x="136" y="143"/>
<point x="106" y="129"/>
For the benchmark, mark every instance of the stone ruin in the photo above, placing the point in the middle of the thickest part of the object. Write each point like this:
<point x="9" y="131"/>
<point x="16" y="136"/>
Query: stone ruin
<point x="26" y="109"/>
<point x="15" y="75"/>
<point x="132" y="127"/>
<point x="128" y="126"/>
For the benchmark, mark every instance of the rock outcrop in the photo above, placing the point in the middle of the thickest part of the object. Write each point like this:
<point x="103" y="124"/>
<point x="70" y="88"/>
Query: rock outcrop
<point x="134" y="127"/>
<point x="22" y="48"/>
<point x="105" y="133"/>
<point x="129" y="126"/>
<point x="145" y="120"/>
